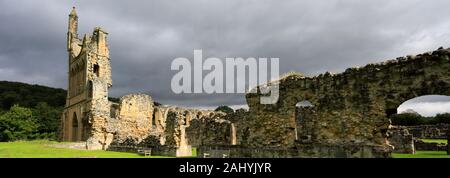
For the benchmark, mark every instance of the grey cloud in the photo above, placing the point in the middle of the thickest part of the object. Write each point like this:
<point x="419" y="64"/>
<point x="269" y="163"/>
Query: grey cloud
<point x="145" y="36"/>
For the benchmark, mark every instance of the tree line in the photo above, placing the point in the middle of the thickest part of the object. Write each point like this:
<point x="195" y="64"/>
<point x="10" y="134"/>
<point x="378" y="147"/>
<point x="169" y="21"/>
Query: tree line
<point x="29" y="111"/>
<point x="412" y="119"/>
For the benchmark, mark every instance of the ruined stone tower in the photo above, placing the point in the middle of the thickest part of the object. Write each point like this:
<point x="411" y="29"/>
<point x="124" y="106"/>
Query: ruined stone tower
<point x="89" y="78"/>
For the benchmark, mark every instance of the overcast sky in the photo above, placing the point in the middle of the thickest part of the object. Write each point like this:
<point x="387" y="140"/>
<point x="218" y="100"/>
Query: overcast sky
<point x="146" y="35"/>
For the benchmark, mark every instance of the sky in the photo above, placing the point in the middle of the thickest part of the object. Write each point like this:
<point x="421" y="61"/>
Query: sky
<point x="308" y="36"/>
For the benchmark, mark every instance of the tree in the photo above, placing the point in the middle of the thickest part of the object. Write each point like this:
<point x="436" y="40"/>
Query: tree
<point x="17" y="124"/>
<point x="225" y="109"/>
<point x="441" y="119"/>
<point x="8" y="99"/>
<point x="407" y="119"/>
<point x="47" y="117"/>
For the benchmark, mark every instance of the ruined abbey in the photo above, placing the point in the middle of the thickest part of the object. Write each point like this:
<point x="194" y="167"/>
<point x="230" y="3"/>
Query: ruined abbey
<point x="348" y="115"/>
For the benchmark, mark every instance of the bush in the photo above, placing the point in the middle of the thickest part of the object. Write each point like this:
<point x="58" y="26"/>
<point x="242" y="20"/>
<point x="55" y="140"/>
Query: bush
<point x="17" y="124"/>
<point x="47" y="117"/>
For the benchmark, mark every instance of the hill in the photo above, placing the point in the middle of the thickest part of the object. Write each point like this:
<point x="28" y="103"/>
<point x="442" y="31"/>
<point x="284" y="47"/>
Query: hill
<point x="27" y="95"/>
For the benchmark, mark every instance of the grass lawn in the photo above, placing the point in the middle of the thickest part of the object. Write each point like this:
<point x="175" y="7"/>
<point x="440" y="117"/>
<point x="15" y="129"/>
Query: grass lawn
<point x="423" y="154"/>
<point x="44" y="149"/>
<point x="444" y="141"/>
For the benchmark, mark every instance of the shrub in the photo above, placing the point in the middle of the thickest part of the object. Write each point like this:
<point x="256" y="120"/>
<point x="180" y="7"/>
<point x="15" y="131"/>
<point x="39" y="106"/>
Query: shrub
<point x="17" y="124"/>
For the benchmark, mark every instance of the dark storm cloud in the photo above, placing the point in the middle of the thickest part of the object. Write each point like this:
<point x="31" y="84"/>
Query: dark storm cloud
<point x="145" y="36"/>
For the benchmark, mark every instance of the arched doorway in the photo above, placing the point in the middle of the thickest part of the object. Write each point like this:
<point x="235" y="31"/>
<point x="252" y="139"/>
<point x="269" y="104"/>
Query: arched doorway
<point x="303" y="126"/>
<point x="428" y="105"/>
<point x="420" y="121"/>
<point x="187" y="118"/>
<point x="420" y="110"/>
<point x="74" y="127"/>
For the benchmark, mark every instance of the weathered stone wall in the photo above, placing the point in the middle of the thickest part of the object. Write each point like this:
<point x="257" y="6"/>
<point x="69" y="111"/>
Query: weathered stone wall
<point x="429" y="146"/>
<point x="209" y="130"/>
<point x="401" y="139"/>
<point x="351" y="107"/>
<point x="438" y="131"/>
<point x="305" y="151"/>
<point x="242" y="124"/>
<point x="134" y="119"/>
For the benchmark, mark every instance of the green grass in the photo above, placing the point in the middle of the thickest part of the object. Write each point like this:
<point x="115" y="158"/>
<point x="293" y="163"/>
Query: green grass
<point x="194" y="152"/>
<point x="46" y="149"/>
<point x="443" y="141"/>
<point x="423" y="154"/>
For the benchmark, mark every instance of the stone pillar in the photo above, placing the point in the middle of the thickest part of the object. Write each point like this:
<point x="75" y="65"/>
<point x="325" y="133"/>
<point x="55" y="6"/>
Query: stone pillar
<point x="233" y="134"/>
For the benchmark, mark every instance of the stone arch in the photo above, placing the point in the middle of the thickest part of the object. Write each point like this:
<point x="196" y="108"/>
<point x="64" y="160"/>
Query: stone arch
<point x="303" y="122"/>
<point x="199" y="115"/>
<point x="163" y="115"/>
<point x="74" y="127"/>
<point x="96" y="69"/>
<point x="423" y="88"/>
<point x="85" y="128"/>
<point x="425" y="98"/>
<point x="187" y="118"/>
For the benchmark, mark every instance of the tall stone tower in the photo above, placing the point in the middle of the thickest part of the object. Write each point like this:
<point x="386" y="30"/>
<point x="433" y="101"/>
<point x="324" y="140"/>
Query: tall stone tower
<point x="87" y="107"/>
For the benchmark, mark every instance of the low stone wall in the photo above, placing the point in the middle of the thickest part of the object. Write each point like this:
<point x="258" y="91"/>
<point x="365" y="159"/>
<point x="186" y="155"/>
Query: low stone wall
<point x="155" y="151"/>
<point x="237" y="151"/>
<point x="401" y="139"/>
<point x="300" y="151"/>
<point x="438" y="131"/>
<point x="348" y="150"/>
<point x="425" y="146"/>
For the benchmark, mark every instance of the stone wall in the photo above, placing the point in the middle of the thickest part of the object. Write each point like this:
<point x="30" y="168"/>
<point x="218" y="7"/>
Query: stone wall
<point x="438" y="131"/>
<point x="401" y="139"/>
<point x="303" y="151"/>
<point x="350" y="108"/>
<point x="134" y="119"/>
<point x="428" y="146"/>
<point x="209" y="129"/>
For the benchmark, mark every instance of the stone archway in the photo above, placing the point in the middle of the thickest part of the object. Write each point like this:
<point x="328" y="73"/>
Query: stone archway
<point x="303" y="123"/>
<point x="427" y="105"/>
<point x="187" y="118"/>
<point x="74" y="127"/>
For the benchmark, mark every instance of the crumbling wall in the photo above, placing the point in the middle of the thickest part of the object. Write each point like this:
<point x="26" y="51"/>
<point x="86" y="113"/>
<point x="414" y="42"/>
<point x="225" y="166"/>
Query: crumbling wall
<point x="401" y="139"/>
<point x="209" y="130"/>
<point x="134" y="120"/>
<point x="98" y="115"/>
<point x="350" y="108"/>
<point x="438" y="131"/>
<point x="175" y="133"/>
